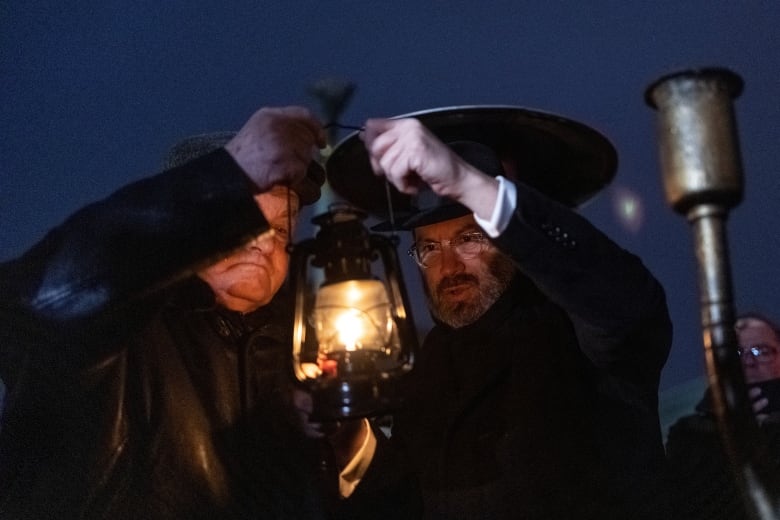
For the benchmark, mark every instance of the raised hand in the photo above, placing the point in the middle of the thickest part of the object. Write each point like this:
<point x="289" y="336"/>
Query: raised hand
<point x="276" y="145"/>
<point x="411" y="156"/>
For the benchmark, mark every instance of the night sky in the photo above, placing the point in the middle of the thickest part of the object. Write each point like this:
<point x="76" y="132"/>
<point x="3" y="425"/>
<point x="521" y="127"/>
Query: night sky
<point x="93" y="93"/>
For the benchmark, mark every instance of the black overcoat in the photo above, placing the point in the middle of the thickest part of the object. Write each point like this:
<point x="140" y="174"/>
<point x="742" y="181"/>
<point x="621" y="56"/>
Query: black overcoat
<point x="546" y="407"/>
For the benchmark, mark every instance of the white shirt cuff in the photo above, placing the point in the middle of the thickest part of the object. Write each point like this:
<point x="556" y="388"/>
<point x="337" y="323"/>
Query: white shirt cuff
<point x="350" y="476"/>
<point x="506" y="202"/>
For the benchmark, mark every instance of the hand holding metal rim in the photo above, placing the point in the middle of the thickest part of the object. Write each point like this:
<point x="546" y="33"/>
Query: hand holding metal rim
<point x="562" y="158"/>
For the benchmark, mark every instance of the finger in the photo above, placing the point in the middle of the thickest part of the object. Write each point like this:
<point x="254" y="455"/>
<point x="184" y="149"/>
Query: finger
<point x="315" y="131"/>
<point x="403" y="163"/>
<point x="373" y="128"/>
<point x="377" y="146"/>
<point x="389" y="156"/>
<point x="313" y="430"/>
<point x="293" y="127"/>
<point x="300" y="157"/>
<point x="396" y="165"/>
<point x="305" y="117"/>
<point x="760" y="404"/>
<point x="302" y="400"/>
<point x="304" y="133"/>
<point x="378" y="143"/>
<point x="376" y="167"/>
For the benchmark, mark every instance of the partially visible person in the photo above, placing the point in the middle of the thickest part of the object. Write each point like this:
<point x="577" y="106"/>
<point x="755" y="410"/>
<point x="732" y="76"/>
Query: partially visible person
<point x="701" y="481"/>
<point x="535" y="394"/>
<point x="144" y="342"/>
<point x="759" y="351"/>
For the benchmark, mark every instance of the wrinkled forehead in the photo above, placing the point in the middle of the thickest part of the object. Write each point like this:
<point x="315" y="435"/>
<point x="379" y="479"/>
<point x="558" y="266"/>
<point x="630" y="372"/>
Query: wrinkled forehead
<point x="278" y="201"/>
<point x="446" y="229"/>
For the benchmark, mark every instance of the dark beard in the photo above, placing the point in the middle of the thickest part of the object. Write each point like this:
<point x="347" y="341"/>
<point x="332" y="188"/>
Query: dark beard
<point x="459" y="314"/>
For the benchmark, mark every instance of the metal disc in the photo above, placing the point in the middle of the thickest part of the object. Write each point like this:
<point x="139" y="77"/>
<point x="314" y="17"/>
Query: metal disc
<point x="562" y="158"/>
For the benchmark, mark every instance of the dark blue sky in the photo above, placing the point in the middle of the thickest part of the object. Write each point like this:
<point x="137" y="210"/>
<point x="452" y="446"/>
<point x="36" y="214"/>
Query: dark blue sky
<point x="93" y="93"/>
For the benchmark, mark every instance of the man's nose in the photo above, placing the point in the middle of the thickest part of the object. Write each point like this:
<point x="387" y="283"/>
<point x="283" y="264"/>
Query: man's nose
<point x="451" y="262"/>
<point x="265" y="242"/>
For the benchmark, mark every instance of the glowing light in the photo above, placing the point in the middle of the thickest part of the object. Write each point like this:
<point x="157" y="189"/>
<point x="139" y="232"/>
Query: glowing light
<point x="353" y="315"/>
<point x="354" y="293"/>
<point x="629" y="208"/>
<point x="350" y="329"/>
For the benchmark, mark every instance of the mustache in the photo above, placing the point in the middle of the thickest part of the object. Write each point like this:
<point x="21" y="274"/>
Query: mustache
<point x="458" y="279"/>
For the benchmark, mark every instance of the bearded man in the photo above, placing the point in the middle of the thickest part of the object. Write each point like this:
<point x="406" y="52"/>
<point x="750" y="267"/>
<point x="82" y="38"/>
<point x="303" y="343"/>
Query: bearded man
<point x="535" y="394"/>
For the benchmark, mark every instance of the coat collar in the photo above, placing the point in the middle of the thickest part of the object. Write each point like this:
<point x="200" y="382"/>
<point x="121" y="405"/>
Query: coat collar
<point x="272" y="321"/>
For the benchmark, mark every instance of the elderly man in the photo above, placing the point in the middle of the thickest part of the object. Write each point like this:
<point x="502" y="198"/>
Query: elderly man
<point x="535" y="394"/>
<point x="145" y="348"/>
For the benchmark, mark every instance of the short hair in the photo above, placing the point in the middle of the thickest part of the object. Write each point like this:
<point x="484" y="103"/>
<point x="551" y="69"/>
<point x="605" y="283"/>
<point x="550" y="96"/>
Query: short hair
<point x="754" y="315"/>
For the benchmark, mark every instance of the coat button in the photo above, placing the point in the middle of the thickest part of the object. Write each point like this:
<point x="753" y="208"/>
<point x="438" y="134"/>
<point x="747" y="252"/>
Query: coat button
<point x="222" y="327"/>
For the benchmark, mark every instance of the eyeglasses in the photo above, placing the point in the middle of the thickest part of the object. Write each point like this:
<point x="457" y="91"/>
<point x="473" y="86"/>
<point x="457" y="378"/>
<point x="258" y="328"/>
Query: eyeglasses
<point x="761" y="353"/>
<point x="427" y="253"/>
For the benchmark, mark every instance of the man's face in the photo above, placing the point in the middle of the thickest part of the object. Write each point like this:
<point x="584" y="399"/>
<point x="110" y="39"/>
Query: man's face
<point x="460" y="290"/>
<point x="249" y="277"/>
<point x="754" y="333"/>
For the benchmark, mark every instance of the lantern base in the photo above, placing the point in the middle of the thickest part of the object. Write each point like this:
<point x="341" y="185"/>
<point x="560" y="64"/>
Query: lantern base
<point x="354" y="399"/>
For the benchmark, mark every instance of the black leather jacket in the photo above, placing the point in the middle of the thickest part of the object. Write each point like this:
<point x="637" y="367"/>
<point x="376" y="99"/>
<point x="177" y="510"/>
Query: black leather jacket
<point x="130" y="394"/>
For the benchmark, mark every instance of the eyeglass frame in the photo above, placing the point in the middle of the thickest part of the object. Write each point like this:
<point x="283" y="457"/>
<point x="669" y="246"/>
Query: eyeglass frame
<point x="762" y="354"/>
<point x="278" y="235"/>
<point x="481" y="240"/>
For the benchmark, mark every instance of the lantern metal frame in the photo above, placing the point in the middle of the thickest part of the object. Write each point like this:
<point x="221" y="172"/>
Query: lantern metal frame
<point x="362" y="384"/>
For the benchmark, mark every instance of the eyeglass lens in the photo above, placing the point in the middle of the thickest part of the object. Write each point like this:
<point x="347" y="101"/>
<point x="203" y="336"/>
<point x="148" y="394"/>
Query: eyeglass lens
<point x="761" y="353"/>
<point x="467" y="245"/>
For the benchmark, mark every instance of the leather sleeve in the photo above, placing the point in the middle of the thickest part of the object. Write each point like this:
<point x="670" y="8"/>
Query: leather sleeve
<point x="138" y="239"/>
<point x="104" y="265"/>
